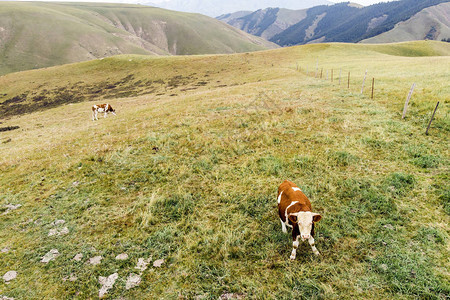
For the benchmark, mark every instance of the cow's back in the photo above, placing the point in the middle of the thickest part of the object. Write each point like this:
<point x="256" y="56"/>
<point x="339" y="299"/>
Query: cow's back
<point x="291" y="193"/>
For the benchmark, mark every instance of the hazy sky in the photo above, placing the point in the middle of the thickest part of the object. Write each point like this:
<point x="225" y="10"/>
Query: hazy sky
<point x="362" y="2"/>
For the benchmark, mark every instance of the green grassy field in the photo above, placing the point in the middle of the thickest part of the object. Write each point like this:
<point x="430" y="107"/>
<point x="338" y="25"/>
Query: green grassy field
<point x="189" y="168"/>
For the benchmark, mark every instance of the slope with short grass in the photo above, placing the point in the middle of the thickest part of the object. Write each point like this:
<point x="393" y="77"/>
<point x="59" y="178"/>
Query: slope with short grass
<point x="39" y="34"/>
<point x="185" y="176"/>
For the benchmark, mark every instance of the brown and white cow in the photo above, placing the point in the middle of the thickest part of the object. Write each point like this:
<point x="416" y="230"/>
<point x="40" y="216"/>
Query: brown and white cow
<point x="294" y="210"/>
<point x="102" y="108"/>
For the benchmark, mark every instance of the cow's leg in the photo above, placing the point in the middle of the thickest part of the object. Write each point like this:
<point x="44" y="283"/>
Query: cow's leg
<point x="283" y="226"/>
<point x="105" y="114"/>
<point x="294" y="249"/>
<point x="96" y="114"/>
<point x="93" y="116"/>
<point x="313" y="247"/>
<point x="295" y="235"/>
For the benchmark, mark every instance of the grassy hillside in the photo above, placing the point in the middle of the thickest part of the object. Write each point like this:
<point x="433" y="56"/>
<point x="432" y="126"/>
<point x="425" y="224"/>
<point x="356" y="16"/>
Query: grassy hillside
<point x="188" y="171"/>
<point x="38" y="34"/>
<point x="431" y="23"/>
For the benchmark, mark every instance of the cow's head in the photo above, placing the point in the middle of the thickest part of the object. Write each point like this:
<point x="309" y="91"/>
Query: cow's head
<point x="111" y="110"/>
<point x="305" y="220"/>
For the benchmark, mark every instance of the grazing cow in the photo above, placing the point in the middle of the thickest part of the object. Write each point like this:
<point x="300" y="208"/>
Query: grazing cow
<point x="294" y="210"/>
<point x="105" y="108"/>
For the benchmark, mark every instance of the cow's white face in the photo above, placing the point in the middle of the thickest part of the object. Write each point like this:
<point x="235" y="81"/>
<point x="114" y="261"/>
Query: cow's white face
<point x="305" y="220"/>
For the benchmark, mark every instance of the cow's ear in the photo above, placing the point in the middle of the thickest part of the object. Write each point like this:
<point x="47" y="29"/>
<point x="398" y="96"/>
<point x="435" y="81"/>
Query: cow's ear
<point x="292" y="218"/>
<point x="316" y="217"/>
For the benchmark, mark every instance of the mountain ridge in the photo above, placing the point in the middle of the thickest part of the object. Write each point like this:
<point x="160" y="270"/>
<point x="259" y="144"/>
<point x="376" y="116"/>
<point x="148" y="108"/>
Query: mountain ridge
<point x="342" y="22"/>
<point x="430" y="23"/>
<point x="264" y="22"/>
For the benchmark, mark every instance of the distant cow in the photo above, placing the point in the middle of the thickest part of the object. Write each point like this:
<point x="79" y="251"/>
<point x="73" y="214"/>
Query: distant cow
<point x="294" y="210"/>
<point x="102" y="108"/>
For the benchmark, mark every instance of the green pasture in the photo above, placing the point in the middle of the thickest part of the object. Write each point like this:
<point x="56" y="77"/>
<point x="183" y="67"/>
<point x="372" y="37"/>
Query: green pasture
<point x="188" y="172"/>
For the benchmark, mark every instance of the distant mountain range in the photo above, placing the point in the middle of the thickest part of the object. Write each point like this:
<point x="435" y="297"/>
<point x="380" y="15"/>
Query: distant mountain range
<point x="264" y="22"/>
<point x="348" y="22"/>
<point x="42" y="34"/>
<point x="214" y="8"/>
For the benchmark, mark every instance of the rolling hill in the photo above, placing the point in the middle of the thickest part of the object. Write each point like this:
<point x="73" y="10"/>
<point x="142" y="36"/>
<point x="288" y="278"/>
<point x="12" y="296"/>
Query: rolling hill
<point x="37" y="34"/>
<point x="347" y="22"/>
<point x="175" y="196"/>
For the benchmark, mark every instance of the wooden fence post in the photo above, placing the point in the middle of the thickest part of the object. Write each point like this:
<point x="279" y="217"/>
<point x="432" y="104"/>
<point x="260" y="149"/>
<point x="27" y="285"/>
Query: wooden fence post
<point x="317" y="69"/>
<point x="373" y="83"/>
<point x="407" y="100"/>
<point x="364" y="80"/>
<point x="432" y="117"/>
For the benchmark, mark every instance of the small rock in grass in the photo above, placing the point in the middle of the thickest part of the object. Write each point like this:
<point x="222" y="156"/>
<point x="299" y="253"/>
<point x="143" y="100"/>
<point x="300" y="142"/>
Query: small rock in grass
<point x="122" y="256"/>
<point x="133" y="280"/>
<point x="58" y="222"/>
<point x="26" y="222"/>
<point x="5" y="298"/>
<point x="231" y="296"/>
<point x="10" y="207"/>
<point x="142" y="264"/>
<point x="78" y="257"/>
<point x="10" y="275"/>
<point x="389" y="226"/>
<point x="107" y="283"/>
<point x="158" y="263"/>
<point x="51" y="255"/>
<point x="55" y="231"/>
<point x="95" y="260"/>
<point x="71" y="278"/>
<point x="5" y="250"/>
<point x="64" y="231"/>
<point x="13" y="207"/>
